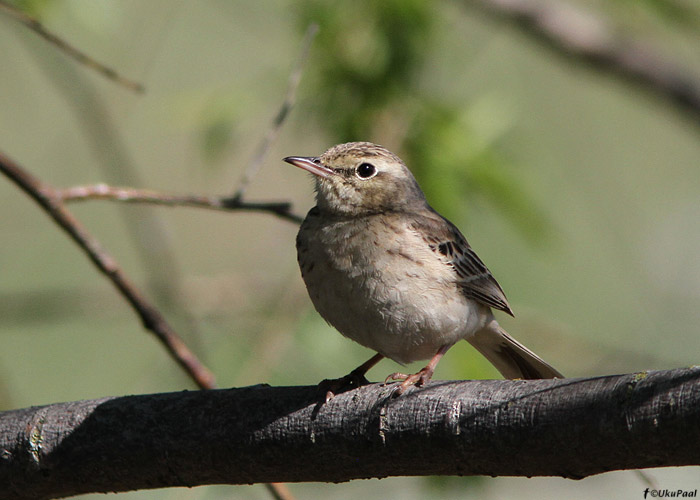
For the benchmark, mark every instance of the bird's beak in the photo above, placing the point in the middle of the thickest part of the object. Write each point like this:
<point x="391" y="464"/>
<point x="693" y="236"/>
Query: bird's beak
<point x="310" y="163"/>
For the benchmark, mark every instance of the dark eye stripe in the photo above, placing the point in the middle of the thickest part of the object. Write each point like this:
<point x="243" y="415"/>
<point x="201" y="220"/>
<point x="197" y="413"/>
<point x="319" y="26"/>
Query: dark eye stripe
<point x="345" y="172"/>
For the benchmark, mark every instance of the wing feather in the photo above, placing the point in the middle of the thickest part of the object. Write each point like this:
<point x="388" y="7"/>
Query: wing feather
<point x="472" y="275"/>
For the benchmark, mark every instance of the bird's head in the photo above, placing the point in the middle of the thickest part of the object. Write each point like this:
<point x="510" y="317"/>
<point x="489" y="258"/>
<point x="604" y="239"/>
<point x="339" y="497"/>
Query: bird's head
<point x="361" y="178"/>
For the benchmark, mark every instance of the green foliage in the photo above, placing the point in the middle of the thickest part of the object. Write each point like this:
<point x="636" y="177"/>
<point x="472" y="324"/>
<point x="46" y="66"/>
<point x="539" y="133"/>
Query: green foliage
<point x="34" y="8"/>
<point x="369" y="83"/>
<point x="367" y="54"/>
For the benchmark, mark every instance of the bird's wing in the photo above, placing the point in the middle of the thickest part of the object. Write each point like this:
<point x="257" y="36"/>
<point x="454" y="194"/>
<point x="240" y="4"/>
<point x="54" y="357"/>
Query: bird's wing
<point x="472" y="275"/>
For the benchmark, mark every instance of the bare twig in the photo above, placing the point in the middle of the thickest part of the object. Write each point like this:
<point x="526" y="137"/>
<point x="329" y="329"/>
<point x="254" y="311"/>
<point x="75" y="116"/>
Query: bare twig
<point x="273" y="131"/>
<point x="132" y="195"/>
<point x="52" y="201"/>
<point x="47" y="197"/>
<point x="163" y="277"/>
<point x="68" y="49"/>
<point x="279" y="491"/>
<point x="583" y="36"/>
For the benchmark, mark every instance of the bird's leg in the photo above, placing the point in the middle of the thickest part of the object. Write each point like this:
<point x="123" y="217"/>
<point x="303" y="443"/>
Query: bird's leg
<point x="354" y="379"/>
<point x="420" y="378"/>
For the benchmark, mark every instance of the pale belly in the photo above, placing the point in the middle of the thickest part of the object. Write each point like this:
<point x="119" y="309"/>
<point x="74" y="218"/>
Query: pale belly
<point x="396" y="297"/>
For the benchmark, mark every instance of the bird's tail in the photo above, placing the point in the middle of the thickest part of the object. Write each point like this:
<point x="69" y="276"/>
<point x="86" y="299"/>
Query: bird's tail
<point x="510" y="357"/>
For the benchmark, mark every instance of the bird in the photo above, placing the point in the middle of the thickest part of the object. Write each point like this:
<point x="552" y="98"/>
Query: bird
<point x="389" y="272"/>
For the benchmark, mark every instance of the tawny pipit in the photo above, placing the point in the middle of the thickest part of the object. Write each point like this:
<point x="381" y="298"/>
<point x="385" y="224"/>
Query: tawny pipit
<point x="392" y="274"/>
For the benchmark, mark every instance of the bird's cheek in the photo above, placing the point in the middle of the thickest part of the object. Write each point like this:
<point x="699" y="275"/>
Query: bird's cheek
<point x="326" y="191"/>
<point x="347" y="195"/>
<point x="377" y="199"/>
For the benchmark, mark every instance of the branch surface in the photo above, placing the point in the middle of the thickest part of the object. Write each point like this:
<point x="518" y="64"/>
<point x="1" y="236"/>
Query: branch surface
<point x="564" y="427"/>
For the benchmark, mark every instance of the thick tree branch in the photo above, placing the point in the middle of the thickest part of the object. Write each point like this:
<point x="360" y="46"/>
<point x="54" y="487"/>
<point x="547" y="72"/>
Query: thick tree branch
<point x="566" y="427"/>
<point x="584" y="37"/>
<point x="52" y="201"/>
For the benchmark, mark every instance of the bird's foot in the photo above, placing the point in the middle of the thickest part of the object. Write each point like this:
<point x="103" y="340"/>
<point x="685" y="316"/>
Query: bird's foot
<point x="331" y="387"/>
<point x="418" y="379"/>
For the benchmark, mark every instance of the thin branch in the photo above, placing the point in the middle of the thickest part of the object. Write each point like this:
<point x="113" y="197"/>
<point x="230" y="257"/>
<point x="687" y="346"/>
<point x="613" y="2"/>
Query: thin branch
<point x="132" y="195"/>
<point x="68" y="49"/>
<point x="571" y="428"/>
<point x="276" y="126"/>
<point x="162" y="276"/>
<point x="279" y="491"/>
<point x="152" y="320"/>
<point x="582" y="36"/>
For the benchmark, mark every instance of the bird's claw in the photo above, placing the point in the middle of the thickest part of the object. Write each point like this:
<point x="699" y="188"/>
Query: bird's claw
<point x="395" y="376"/>
<point x="418" y="379"/>
<point x="334" y="386"/>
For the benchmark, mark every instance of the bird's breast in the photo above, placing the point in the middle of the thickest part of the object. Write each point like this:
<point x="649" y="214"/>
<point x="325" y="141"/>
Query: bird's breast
<point x="380" y="284"/>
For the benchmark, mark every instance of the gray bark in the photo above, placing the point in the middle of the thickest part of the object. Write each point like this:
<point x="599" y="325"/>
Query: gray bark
<point x="570" y="428"/>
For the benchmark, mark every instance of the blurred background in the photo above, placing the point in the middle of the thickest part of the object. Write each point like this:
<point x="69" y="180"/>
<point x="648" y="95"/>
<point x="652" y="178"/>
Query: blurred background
<point x="579" y="189"/>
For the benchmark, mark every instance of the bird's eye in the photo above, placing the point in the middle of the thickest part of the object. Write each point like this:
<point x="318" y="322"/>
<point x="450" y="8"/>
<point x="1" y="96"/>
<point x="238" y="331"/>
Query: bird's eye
<point x="365" y="171"/>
